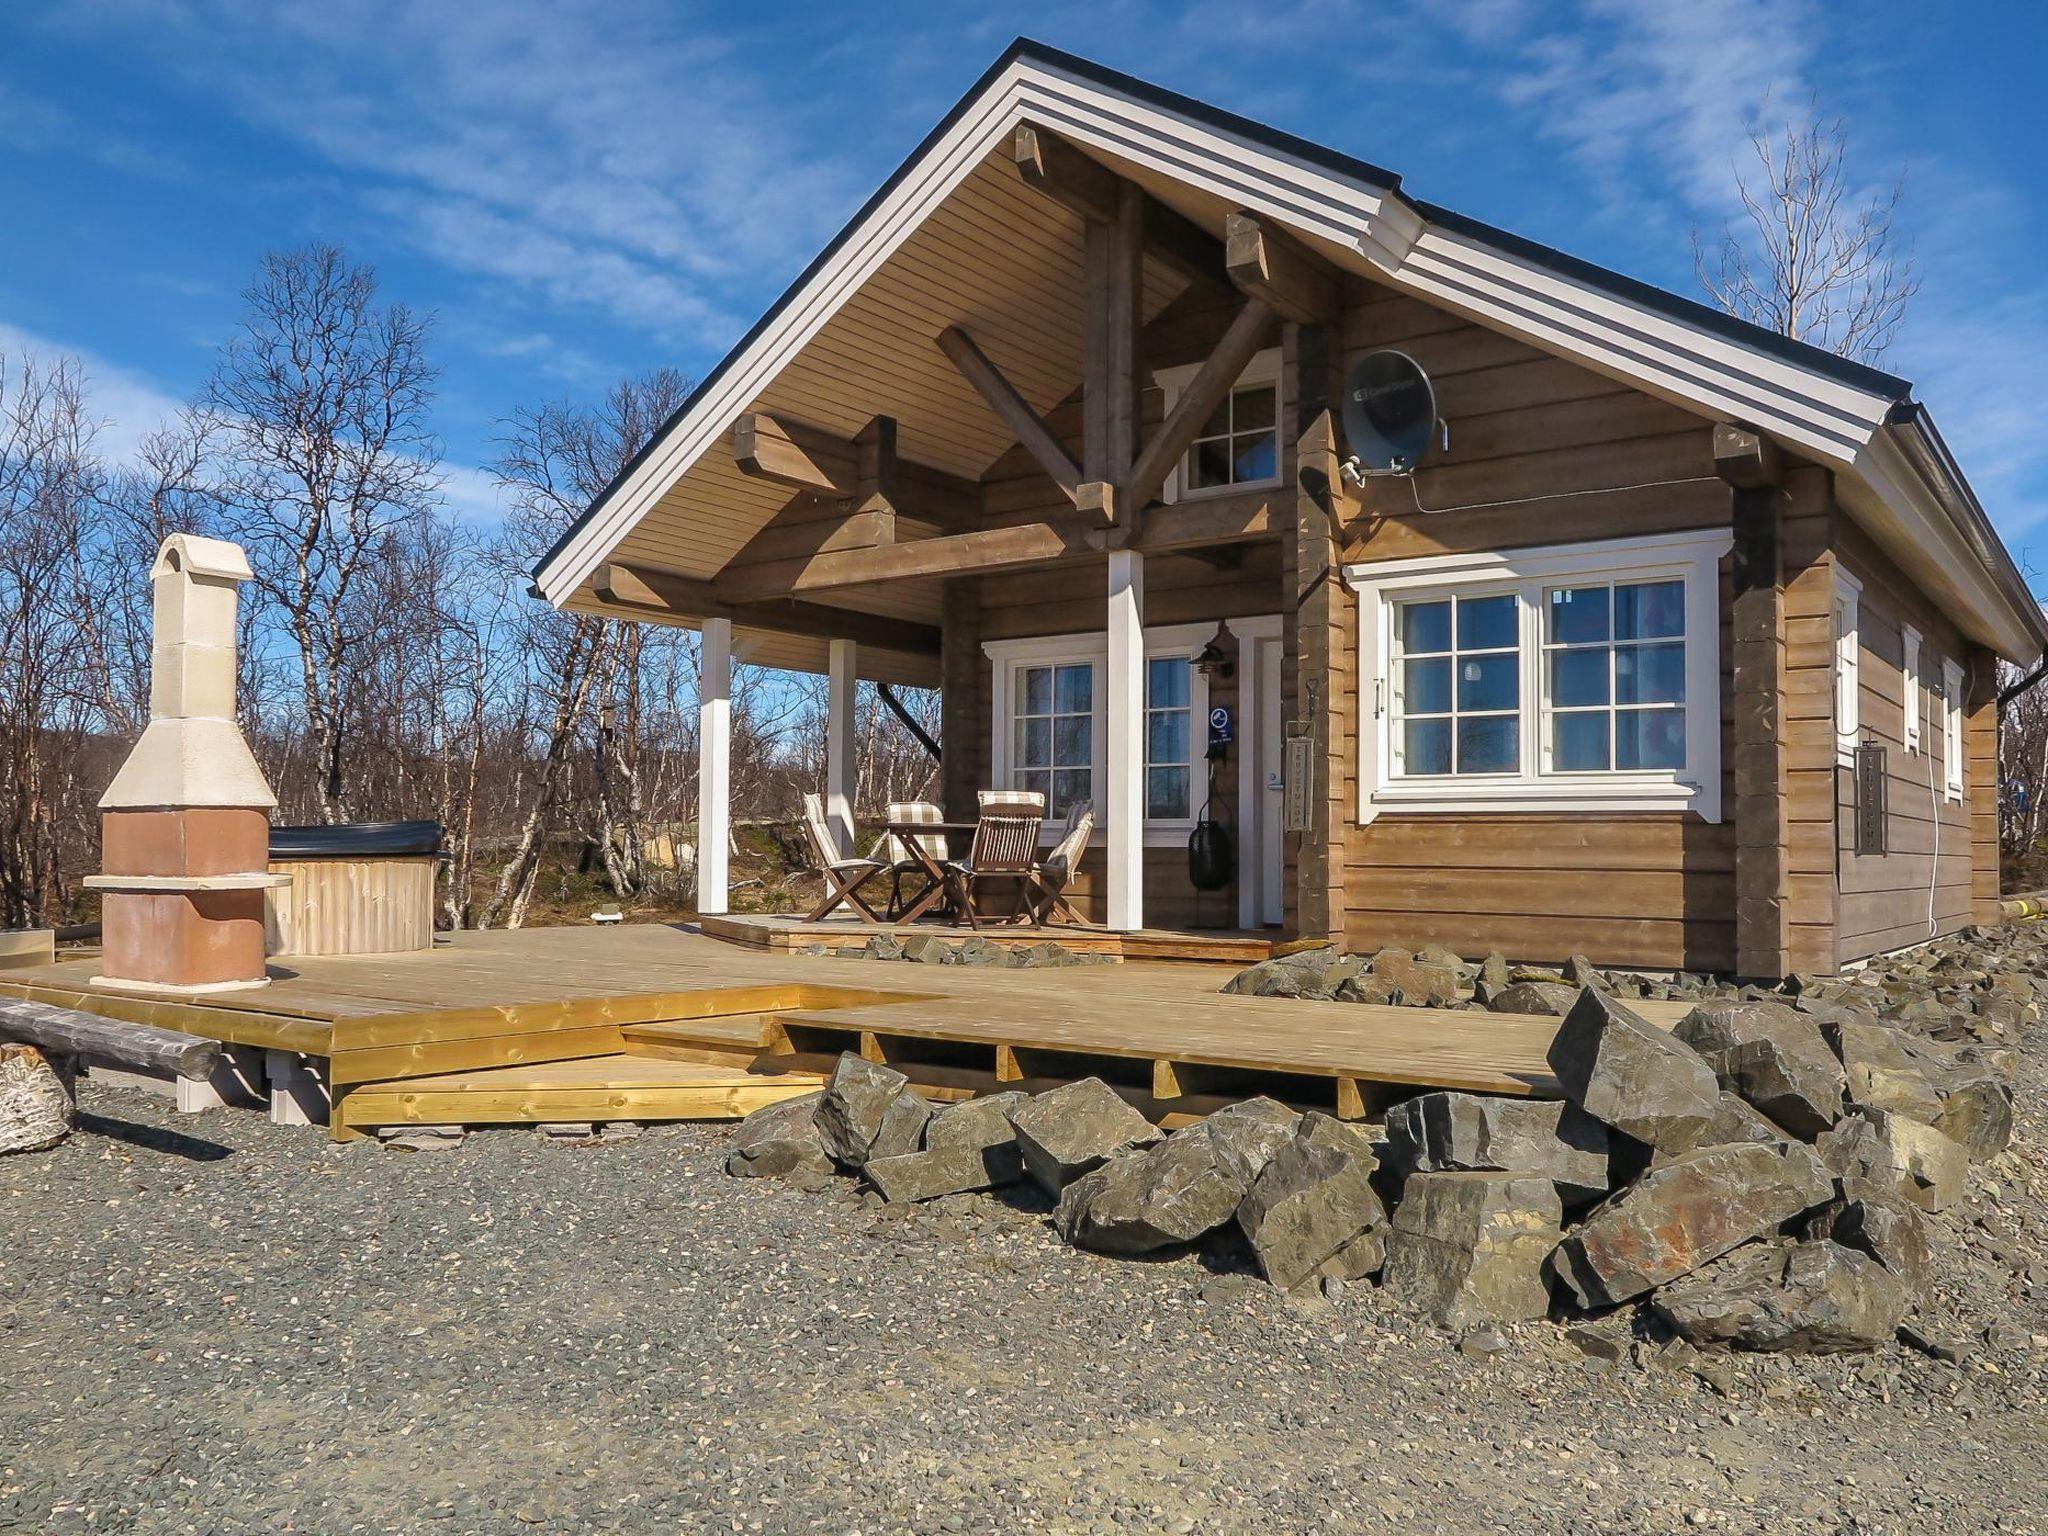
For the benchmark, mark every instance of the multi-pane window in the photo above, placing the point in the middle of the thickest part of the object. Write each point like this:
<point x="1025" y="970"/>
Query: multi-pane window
<point x="1239" y="444"/>
<point x="1053" y="734"/>
<point x="1614" y="670"/>
<point x="1169" y="759"/>
<point x="1457" y="686"/>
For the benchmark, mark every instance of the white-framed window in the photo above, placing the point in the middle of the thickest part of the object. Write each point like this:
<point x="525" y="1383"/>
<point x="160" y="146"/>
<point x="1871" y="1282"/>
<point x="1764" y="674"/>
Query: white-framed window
<point x="1909" y="684"/>
<point x="1848" y="680"/>
<point x="1952" y="728"/>
<point x="1049" y="731"/>
<point x="1577" y="676"/>
<point x="1238" y="447"/>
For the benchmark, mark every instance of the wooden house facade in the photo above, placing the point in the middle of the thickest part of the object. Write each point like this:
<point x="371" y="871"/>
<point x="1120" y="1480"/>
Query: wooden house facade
<point x="1678" y="648"/>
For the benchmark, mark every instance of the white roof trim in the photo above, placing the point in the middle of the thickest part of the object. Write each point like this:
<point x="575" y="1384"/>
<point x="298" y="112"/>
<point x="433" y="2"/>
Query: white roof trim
<point x="1836" y="422"/>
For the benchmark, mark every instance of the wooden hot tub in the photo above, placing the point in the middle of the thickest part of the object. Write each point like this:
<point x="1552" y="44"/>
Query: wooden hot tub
<point x="360" y="888"/>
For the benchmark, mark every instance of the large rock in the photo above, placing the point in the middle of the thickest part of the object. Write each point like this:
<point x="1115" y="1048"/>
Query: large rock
<point x="1492" y="980"/>
<point x="1313" y="1210"/>
<point x="1074" y="1128"/>
<point x="1687" y="1213"/>
<point x="1956" y="1090"/>
<point x="1420" y="984"/>
<point x="868" y="1111"/>
<point x="1916" y="1160"/>
<point x="1247" y="1134"/>
<point x="1878" y="1221"/>
<point x="1438" y="1132"/>
<point x="1174" y="1193"/>
<point x="1547" y="999"/>
<point x="1818" y="1297"/>
<point x="1774" y="1057"/>
<point x="966" y="1146"/>
<point x="1625" y="1072"/>
<point x="1471" y="1247"/>
<point x="781" y="1141"/>
<point x="1312" y="973"/>
<point x="1976" y="1102"/>
<point x="1736" y="1119"/>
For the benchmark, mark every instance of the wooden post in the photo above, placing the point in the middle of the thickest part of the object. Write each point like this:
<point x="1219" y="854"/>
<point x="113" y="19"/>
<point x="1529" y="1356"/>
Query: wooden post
<point x="840" y="788"/>
<point x="1806" y="725"/>
<point x="963" y="711"/>
<point x="714" y="763"/>
<point x="1124" y="754"/>
<point x="1320" y="636"/>
<point x="1758" y="704"/>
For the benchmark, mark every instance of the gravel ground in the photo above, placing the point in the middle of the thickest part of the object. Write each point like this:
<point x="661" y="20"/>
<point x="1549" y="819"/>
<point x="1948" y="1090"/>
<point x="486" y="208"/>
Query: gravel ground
<point x="214" y="1325"/>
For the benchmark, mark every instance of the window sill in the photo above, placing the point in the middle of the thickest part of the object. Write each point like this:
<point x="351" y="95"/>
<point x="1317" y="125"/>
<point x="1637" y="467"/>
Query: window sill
<point x="1220" y="492"/>
<point x="1613" y="796"/>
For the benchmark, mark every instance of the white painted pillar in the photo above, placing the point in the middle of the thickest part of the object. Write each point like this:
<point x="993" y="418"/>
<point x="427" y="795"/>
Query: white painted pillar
<point x="714" y="764"/>
<point x="840" y="788"/>
<point x="1124" y="712"/>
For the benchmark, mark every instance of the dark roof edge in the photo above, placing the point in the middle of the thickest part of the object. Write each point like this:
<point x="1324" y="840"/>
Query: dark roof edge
<point x="1975" y="523"/>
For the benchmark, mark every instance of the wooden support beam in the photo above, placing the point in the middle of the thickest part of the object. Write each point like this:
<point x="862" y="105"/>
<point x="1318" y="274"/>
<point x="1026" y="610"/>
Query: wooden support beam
<point x="665" y="597"/>
<point x="794" y="453"/>
<point x="1014" y="410"/>
<point x="1237" y="519"/>
<point x="1745" y="459"/>
<point x="866" y="470"/>
<point x="1266" y="262"/>
<point x="1113" y="255"/>
<point x="1053" y="166"/>
<point x="1197" y="403"/>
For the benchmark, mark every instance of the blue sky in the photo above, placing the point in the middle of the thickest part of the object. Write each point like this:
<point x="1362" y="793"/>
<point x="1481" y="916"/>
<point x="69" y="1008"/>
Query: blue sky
<point x="593" y="187"/>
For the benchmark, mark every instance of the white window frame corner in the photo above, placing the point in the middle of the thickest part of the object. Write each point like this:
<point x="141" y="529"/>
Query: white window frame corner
<point x="1186" y="641"/>
<point x="1847" y="673"/>
<point x="1694" y="557"/>
<point x="1911" y="724"/>
<point x="1264" y="368"/>
<point x="1955" y="733"/>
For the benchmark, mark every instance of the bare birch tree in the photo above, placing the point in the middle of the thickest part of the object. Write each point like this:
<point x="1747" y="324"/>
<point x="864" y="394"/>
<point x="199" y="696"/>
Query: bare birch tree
<point x="558" y="458"/>
<point x="320" y="404"/>
<point x="1812" y="258"/>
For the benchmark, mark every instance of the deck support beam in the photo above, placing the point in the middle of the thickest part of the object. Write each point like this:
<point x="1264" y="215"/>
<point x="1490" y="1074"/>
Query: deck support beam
<point x="840" y="785"/>
<point x="714" y="763"/>
<point x="1124" y="712"/>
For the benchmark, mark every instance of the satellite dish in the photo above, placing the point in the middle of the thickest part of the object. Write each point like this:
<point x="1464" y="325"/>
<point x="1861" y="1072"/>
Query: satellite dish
<point x="1389" y="413"/>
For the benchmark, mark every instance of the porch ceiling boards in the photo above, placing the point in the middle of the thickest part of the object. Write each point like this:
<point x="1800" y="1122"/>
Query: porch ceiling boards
<point x="997" y="259"/>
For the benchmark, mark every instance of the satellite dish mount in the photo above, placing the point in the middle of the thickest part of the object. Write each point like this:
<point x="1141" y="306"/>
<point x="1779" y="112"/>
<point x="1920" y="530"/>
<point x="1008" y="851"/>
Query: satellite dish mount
<point x="1389" y="416"/>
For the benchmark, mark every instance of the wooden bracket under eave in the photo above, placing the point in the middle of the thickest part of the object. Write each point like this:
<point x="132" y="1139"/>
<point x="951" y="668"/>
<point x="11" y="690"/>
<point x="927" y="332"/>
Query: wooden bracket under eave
<point x="1747" y="460"/>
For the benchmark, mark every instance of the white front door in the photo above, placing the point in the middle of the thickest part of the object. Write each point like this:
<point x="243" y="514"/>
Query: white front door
<point x="1266" y="779"/>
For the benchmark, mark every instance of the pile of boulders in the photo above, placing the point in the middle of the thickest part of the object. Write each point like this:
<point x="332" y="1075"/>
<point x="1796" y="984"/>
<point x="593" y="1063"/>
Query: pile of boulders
<point x="1759" y="1176"/>
<point x="935" y="949"/>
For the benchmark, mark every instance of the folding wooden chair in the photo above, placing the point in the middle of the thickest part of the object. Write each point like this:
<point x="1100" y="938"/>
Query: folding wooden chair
<point x="843" y="876"/>
<point x="1046" y="882"/>
<point x="897" y="855"/>
<point x="1005" y="846"/>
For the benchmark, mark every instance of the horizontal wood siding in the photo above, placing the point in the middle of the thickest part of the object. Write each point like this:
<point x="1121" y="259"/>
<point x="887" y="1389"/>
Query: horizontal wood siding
<point x="1909" y="893"/>
<point x="1655" y="890"/>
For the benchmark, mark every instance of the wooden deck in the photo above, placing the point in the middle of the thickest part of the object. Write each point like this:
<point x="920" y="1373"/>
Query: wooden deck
<point x="785" y="934"/>
<point x="657" y="1023"/>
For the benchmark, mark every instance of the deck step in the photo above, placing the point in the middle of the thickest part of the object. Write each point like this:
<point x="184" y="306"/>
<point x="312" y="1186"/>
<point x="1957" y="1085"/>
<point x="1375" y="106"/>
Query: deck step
<point x="733" y="1031"/>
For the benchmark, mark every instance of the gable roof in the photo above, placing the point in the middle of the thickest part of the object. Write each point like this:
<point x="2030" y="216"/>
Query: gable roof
<point x="1893" y="472"/>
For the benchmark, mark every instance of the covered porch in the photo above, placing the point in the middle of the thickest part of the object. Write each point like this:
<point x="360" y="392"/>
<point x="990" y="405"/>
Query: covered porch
<point x="1065" y="453"/>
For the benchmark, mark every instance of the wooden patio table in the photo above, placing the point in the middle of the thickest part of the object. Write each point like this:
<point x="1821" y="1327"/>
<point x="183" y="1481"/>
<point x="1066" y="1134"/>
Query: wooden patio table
<point x="911" y="835"/>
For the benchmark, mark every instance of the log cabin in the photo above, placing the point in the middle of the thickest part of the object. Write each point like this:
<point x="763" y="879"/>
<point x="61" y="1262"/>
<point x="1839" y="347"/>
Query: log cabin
<point x="1677" y="648"/>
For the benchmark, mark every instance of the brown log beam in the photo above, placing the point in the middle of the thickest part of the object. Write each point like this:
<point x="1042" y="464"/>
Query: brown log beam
<point x="794" y="453"/>
<point x="1197" y="403"/>
<point x="1744" y="459"/>
<point x="866" y="469"/>
<point x="1267" y="263"/>
<point x="663" y="596"/>
<point x="1011" y="407"/>
<point x="1053" y="166"/>
<point x="1168" y="530"/>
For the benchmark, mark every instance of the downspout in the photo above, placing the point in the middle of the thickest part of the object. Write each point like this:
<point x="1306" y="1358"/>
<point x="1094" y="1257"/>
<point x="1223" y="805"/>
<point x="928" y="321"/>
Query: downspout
<point x="910" y="724"/>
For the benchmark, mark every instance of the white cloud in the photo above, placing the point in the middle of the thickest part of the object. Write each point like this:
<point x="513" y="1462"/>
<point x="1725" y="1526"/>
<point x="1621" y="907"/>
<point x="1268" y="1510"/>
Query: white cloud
<point x="611" y="154"/>
<point x="127" y="404"/>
